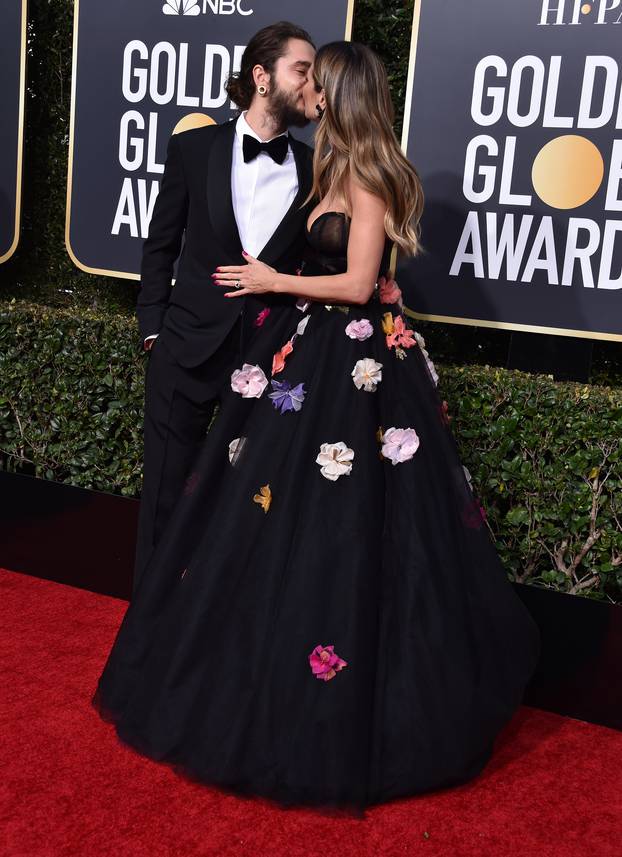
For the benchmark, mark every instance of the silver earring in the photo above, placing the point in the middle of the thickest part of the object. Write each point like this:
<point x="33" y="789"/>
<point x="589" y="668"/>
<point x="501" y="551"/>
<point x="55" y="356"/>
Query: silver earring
<point x="261" y="89"/>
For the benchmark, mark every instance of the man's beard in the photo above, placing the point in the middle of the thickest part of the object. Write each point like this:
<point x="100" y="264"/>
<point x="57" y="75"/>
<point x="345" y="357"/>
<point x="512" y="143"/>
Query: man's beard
<point x="283" y="111"/>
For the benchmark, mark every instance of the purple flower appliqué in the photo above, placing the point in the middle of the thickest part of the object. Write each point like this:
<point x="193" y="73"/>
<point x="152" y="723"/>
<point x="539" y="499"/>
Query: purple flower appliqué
<point x="285" y="397"/>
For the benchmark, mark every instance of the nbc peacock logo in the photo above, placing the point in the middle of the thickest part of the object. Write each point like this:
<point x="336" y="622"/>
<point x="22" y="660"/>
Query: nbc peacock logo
<point x="181" y="7"/>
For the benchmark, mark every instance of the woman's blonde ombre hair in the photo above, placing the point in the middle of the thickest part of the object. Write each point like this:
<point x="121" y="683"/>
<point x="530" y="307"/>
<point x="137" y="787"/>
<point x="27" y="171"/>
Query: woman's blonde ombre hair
<point x="355" y="138"/>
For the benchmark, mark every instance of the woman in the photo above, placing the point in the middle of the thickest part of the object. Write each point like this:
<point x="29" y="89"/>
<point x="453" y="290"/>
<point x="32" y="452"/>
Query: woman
<point x="326" y="620"/>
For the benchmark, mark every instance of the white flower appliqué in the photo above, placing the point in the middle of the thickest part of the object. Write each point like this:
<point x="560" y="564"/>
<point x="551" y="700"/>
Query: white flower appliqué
<point x="429" y="364"/>
<point x="367" y="374"/>
<point x="335" y="460"/>
<point x="235" y="449"/>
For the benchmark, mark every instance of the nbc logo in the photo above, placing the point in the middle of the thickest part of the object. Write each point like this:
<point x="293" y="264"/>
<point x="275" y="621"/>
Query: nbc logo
<point x="217" y="7"/>
<point x="181" y="7"/>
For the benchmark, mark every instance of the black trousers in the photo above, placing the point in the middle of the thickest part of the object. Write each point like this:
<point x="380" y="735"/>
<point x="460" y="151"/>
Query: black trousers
<point x="179" y="406"/>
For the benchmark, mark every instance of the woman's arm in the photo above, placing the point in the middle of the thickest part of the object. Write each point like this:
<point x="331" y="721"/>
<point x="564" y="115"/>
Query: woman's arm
<point x="365" y="248"/>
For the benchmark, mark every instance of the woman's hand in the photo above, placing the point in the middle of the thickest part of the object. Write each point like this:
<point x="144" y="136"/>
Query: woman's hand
<point x="254" y="278"/>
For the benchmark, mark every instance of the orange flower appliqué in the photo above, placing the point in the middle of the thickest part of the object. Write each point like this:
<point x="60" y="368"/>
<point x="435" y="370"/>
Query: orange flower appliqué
<point x="264" y="498"/>
<point x="401" y="336"/>
<point x="388" y="291"/>
<point x="278" y="361"/>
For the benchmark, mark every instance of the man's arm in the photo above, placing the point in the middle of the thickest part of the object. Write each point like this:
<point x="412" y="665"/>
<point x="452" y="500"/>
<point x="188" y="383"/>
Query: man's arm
<point x="163" y="244"/>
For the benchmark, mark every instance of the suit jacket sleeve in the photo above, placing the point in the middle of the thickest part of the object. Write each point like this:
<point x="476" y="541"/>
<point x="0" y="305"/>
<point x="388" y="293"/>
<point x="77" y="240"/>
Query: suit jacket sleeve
<point x="163" y="244"/>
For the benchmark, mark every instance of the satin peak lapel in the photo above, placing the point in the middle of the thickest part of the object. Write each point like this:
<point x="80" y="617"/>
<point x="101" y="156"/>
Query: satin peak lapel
<point x="219" y="200"/>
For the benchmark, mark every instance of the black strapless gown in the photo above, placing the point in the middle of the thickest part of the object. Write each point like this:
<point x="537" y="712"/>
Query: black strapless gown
<point x="326" y="620"/>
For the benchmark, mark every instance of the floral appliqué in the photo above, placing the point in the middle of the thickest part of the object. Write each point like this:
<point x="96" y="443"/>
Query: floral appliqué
<point x="389" y="292"/>
<point x="191" y="483"/>
<point x="398" y="335"/>
<point x="324" y="663"/>
<point x="235" y="449"/>
<point x="261" y="317"/>
<point x="399" y="445"/>
<point x="278" y="361"/>
<point x="335" y="460"/>
<point x="264" y="498"/>
<point x="249" y="381"/>
<point x="473" y="514"/>
<point x="429" y="364"/>
<point x="285" y="397"/>
<point x="367" y="374"/>
<point x="361" y="329"/>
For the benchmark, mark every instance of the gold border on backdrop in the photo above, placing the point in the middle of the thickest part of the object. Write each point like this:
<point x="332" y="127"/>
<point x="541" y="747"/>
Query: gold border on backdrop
<point x="74" y="64"/>
<point x="476" y="322"/>
<point x="20" y="139"/>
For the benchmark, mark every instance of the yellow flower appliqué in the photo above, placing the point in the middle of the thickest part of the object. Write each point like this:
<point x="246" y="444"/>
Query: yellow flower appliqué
<point x="264" y="498"/>
<point x="388" y="325"/>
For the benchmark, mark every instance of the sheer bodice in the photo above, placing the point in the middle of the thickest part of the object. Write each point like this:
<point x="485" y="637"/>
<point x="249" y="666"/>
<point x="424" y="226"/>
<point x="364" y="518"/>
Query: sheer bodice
<point x="327" y="246"/>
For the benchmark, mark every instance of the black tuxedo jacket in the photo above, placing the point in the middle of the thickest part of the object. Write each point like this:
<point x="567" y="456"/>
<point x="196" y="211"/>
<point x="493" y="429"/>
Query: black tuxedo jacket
<point x="193" y="317"/>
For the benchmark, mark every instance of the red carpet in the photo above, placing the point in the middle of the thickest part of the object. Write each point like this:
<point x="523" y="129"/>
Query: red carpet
<point x="69" y="787"/>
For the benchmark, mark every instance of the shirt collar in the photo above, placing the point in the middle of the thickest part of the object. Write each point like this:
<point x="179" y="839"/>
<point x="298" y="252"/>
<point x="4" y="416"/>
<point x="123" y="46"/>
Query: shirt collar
<point x="242" y="127"/>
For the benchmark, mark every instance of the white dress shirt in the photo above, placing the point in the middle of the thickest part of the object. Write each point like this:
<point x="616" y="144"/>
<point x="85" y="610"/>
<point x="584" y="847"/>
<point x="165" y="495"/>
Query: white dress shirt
<point x="261" y="191"/>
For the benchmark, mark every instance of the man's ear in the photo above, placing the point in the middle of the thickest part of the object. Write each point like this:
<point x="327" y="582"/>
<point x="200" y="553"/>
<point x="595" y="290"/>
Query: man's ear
<point x="261" y="77"/>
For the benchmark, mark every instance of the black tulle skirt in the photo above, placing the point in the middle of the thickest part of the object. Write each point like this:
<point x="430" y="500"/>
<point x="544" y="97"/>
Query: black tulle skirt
<point x="326" y="620"/>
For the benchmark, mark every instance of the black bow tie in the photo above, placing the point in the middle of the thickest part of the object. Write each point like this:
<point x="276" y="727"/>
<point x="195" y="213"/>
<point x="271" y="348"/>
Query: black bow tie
<point x="277" y="148"/>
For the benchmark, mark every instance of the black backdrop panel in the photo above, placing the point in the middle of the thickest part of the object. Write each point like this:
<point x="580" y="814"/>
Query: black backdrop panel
<point x="140" y="68"/>
<point x="514" y="120"/>
<point x="12" y="74"/>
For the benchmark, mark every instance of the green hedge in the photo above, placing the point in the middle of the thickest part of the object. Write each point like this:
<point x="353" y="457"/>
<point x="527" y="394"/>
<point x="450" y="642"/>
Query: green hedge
<point x="544" y="456"/>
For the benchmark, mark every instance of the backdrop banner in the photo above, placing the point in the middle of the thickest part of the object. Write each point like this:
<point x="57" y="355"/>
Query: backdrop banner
<point x="12" y="75"/>
<point x="140" y="71"/>
<point x="513" y="118"/>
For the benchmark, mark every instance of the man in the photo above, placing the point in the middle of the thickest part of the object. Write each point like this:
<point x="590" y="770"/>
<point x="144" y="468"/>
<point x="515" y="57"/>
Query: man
<point x="231" y="187"/>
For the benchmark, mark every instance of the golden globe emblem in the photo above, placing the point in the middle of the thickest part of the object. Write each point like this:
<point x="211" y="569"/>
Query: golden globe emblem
<point x="193" y="120"/>
<point x="567" y="171"/>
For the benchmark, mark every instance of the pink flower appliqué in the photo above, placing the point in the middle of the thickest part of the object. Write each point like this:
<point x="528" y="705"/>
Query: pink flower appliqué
<point x="389" y="291"/>
<point x="361" y="329"/>
<point x="399" y="445"/>
<point x="324" y="663"/>
<point x="261" y="317"/>
<point x="249" y="381"/>
<point x="278" y="361"/>
<point x="402" y="336"/>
